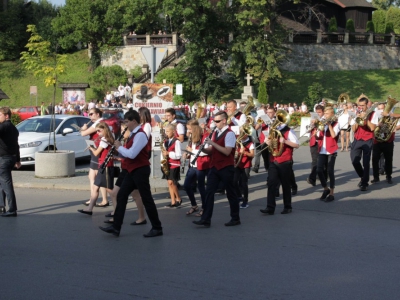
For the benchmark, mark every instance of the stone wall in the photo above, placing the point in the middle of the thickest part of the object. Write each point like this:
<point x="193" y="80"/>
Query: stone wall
<point x="129" y="57"/>
<point x="322" y="57"/>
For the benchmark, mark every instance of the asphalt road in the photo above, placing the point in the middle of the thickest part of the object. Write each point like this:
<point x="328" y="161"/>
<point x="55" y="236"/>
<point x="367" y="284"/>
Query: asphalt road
<point x="347" y="249"/>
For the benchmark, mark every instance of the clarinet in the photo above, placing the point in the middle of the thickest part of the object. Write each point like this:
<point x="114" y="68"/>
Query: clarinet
<point x="111" y="152"/>
<point x="202" y="147"/>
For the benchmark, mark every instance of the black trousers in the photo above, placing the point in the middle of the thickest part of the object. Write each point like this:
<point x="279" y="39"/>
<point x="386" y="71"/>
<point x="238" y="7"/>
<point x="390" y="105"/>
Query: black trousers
<point x="214" y="177"/>
<point x="387" y="150"/>
<point x="241" y="181"/>
<point x="137" y="179"/>
<point x="7" y="163"/>
<point x="261" y="152"/>
<point x="323" y="161"/>
<point x="314" y="159"/>
<point x="361" y="148"/>
<point x="279" y="173"/>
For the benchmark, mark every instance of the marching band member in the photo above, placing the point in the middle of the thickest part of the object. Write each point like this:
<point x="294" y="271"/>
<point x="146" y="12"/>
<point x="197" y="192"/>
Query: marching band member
<point x="103" y="179"/>
<point x="263" y="150"/>
<point x="235" y="115"/>
<point x="312" y="178"/>
<point x="173" y="151"/>
<point x="363" y="141"/>
<point x="138" y="167"/>
<point x="245" y="153"/>
<point x="199" y="169"/>
<point x="222" y="151"/>
<point x="280" y="169"/>
<point x="170" y="116"/>
<point x="327" y="148"/>
<point x="343" y="120"/>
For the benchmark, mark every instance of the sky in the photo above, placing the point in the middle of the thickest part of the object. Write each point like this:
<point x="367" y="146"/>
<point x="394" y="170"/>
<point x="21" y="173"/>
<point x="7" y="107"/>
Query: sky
<point x="57" y="2"/>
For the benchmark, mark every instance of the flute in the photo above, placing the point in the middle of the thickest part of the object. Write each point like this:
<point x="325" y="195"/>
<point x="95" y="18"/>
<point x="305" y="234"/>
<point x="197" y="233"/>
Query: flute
<point x="202" y="147"/>
<point x="111" y="152"/>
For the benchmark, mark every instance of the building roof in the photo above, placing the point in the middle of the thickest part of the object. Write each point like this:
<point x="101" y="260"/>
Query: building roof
<point x="291" y="24"/>
<point x="3" y="95"/>
<point x="352" y="3"/>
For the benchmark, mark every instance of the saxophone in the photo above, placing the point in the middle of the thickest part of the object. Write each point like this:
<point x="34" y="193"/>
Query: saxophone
<point x="164" y="161"/>
<point x="383" y="132"/>
<point x="360" y="121"/>
<point x="276" y="147"/>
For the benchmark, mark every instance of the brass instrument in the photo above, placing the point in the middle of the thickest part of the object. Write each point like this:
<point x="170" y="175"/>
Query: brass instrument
<point x="164" y="162"/>
<point x="249" y="106"/>
<point x="245" y="129"/>
<point x="343" y="98"/>
<point x="383" y="132"/>
<point x="276" y="147"/>
<point x="360" y="121"/>
<point x="200" y="108"/>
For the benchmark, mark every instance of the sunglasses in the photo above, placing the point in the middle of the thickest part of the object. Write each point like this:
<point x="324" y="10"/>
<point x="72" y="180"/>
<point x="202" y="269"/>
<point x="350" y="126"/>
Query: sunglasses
<point x="217" y="121"/>
<point x="91" y="114"/>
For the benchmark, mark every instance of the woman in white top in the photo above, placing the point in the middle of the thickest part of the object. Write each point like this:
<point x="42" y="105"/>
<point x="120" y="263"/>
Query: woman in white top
<point x="344" y="128"/>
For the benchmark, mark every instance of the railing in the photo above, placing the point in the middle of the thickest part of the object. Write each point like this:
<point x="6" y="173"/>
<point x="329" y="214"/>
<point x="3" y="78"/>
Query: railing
<point x="319" y="37"/>
<point x="135" y="40"/>
<point x="147" y="39"/>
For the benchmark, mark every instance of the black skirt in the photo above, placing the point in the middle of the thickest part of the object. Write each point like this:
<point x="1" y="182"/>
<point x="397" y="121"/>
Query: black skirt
<point x="105" y="179"/>
<point x="174" y="174"/>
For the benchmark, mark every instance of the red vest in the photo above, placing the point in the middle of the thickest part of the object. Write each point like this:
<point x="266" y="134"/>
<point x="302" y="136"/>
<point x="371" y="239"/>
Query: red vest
<point x="171" y="148"/>
<point x="218" y="159"/>
<point x="245" y="161"/>
<point x="262" y="136"/>
<point x="149" y="140"/>
<point x="141" y="160"/>
<point x="363" y="132"/>
<point x="313" y="139"/>
<point x="287" y="153"/>
<point x="203" y="162"/>
<point x="103" y="156"/>
<point x="331" y="143"/>
<point x="95" y="137"/>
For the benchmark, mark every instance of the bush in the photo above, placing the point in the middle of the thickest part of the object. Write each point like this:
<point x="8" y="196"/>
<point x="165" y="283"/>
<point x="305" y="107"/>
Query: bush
<point x="262" y="93"/>
<point x="105" y="78"/>
<point x="136" y="71"/>
<point x="370" y="27"/>
<point x="389" y="28"/>
<point x="379" y="20"/>
<point x="393" y="14"/>
<point x="350" y="25"/>
<point x="295" y="118"/>
<point x="15" y="119"/>
<point x="314" y="94"/>
<point x="332" y="25"/>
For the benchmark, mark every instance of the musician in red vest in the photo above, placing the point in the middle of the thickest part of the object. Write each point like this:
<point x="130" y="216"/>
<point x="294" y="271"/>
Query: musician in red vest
<point x="245" y="152"/>
<point x="138" y="166"/>
<point x="237" y="117"/>
<point x="280" y="170"/>
<point x="363" y="141"/>
<point x="312" y="178"/>
<point x="327" y="149"/>
<point x="170" y="116"/>
<point x="222" y="150"/>
<point x="263" y="150"/>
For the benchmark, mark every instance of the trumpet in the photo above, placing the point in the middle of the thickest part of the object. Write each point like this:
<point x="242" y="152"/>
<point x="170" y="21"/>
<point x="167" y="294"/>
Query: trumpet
<point x="244" y="130"/>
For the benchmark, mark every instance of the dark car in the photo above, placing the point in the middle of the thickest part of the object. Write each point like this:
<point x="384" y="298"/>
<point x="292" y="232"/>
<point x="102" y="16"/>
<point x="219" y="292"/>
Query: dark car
<point x="181" y="118"/>
<point x="26" y="112"/>
<point x="114" y="117"/>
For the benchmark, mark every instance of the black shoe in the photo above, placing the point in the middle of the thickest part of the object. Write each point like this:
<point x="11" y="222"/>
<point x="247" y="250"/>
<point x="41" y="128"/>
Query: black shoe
<point x="110" y="215"/>
<point x="375" y="180"/>
<point x="171" y="205"/>
<point x="202" y="223"/>
<point x="153" y="233"/>
<point x="389" y="180"/>
<point x="2" y="209"/>
<point x="294" y="192"/>
<point x="178" y="203"/>
<point x="310" y="181"/>
<point x="286" y="211"/>
<point x="109" y="222"/>
<point x="268" y="211"/>
<point x="382" y="171"/>
<point x="359" y="184"/>
<point x="140" y="223"/>
<point x="255" y="170"/>
<point x="9" y="214"/>
<point x="110" y="229"/>
<point x="85" y="212"/>
<point x="330" y="198"/>
<point x="325" y="194"/>
<point x="102" y="205"/>
<point x="363" y="188"/>
<point x="233" y="223"/>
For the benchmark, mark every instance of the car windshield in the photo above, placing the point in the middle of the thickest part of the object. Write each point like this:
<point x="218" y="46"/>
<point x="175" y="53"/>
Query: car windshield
<point x="37" y="125"/>
<point x="107" y="115"/>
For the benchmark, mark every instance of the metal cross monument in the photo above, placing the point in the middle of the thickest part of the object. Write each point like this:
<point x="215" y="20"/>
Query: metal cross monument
<point x="248" y="78"/>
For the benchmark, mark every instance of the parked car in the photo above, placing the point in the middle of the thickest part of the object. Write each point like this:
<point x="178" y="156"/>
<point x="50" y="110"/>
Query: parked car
<point x="181" y="118"/>
<point x="34" y="136"/>
<point x="114" y="117"/>
<point x="26" y="112"/>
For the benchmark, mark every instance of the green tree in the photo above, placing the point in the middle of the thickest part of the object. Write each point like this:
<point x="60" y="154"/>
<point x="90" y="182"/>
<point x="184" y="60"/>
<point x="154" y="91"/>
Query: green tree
<point x="350" y="25"/>
<point x="315" y="92"/>
<point x="97" y="23"/>
<point x="262" y="93"/>
<point x="105" y="78"/>
<point x="385" y="4"/>
<point x="393" y="14"/>
<point x="379" y="19"/>
<point x="43" y="60"/>
<point x="332" y="25"/>
<point x="389" y="28"/>
<point x="370" y="27"/>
